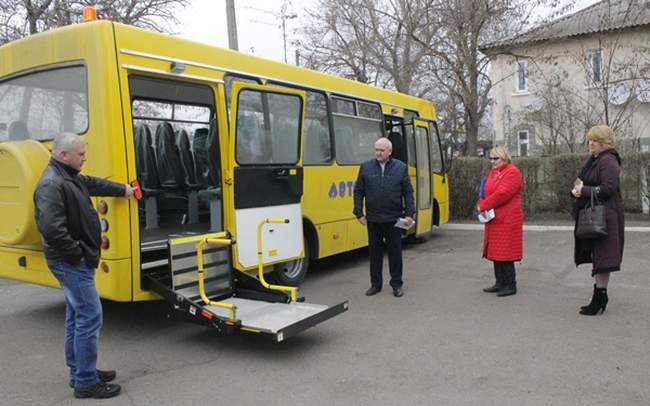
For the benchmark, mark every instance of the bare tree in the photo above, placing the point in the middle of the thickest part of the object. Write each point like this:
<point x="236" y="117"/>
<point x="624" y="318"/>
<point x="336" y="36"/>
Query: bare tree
<point x="456" y="62"/>
<point x="366" y="40"/>
<point x="19" y="18"/>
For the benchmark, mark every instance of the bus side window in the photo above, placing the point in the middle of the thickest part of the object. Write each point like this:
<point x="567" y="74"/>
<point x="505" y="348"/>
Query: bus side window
<point x="317" y="143"/>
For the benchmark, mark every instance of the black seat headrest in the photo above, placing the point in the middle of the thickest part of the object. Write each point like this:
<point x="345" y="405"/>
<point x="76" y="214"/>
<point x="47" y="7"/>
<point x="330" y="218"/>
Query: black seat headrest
<point x="17" y="131"/>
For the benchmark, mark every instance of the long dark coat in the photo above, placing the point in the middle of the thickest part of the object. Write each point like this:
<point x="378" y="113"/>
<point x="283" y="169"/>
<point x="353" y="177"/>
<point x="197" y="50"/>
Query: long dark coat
<point x="600" y="176"/>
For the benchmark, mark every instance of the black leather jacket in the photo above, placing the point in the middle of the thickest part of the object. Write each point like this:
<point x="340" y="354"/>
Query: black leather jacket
<point x="388" y="196"/>
<point x="65" y="215"/>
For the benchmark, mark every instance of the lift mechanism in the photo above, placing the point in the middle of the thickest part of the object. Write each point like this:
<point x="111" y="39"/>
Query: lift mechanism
<point x="202" y="285"/>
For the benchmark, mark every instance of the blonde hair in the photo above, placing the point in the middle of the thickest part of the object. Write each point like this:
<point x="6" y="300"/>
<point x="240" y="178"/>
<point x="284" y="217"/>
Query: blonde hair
<point x="502" y="153"/>
<point x="602" y="134"/>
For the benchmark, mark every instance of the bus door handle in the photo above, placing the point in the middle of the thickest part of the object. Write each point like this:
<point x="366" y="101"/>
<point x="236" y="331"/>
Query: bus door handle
<point x="281" y="173"/>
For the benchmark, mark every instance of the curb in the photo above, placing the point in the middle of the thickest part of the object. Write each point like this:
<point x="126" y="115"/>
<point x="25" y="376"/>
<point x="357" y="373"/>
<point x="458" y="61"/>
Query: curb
<point x="531" y="227"/>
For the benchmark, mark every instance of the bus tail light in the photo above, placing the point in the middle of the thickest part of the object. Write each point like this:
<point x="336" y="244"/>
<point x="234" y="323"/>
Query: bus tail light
<point x="105" y="243"/>
<point x="104" y="224"/>
<point x="102" y="207"/>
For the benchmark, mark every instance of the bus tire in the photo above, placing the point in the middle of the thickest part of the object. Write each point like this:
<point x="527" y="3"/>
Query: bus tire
<point x="291" y="273"/>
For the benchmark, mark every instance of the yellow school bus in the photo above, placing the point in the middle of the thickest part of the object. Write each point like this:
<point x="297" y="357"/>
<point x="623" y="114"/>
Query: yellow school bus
<point x="246" y="165"/>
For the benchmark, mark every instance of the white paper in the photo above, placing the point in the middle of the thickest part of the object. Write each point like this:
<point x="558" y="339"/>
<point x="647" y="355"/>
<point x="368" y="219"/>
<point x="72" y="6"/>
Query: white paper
<point x="401" y="223"/>
<point x="486" y="216"/>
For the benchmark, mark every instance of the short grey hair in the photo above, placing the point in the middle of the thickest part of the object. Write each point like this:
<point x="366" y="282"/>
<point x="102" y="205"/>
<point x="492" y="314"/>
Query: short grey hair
<point x="386" y="142"/>
<point x="65" y="142"/>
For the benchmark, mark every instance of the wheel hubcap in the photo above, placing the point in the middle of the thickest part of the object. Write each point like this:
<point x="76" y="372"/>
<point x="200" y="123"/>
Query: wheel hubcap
<point x="291" y="269"/>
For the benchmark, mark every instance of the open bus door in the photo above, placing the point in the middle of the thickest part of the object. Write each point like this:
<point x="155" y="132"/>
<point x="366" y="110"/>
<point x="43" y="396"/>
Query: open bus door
<point x="263" y="188"/>
<point x="423" y="197"/>
<point x="267" y="173"/>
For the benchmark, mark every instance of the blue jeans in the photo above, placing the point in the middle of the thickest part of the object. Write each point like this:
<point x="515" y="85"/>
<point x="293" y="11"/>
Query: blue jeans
<point x="83" y="319"/>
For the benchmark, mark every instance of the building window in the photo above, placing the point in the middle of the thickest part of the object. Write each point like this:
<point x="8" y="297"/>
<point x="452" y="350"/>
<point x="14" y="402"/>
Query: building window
<point x="595" y="62"/>
<point x="522" y="75"/>
<point x="523" y="143"/>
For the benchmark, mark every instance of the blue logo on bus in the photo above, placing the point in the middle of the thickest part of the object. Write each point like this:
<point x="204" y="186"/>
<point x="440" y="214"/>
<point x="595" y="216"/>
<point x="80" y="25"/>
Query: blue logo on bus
<point x="341" y="189"/>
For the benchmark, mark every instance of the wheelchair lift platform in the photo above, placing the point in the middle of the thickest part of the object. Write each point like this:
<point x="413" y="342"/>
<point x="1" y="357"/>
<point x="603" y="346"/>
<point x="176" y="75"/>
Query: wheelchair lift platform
<point x="202" y="285"/>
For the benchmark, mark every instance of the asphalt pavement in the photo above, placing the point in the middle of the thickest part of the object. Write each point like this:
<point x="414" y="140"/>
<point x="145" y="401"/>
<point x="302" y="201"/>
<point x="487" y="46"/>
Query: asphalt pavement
<point x="444" y="343"/>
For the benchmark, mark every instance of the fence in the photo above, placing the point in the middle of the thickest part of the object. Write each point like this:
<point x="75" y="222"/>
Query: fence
<point x="547" y="182"/>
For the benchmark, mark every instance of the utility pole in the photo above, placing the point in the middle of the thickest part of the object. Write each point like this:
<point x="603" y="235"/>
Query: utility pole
<point x="232" y="25"/>
<point x="283" y="16"/>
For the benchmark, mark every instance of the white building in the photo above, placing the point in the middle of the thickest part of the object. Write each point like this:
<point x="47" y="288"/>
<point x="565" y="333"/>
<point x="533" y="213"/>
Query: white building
<point x="552" y="83"/>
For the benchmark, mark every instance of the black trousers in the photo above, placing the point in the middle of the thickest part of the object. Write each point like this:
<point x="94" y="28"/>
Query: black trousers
<point x="504" y="271"/>
<point x="385" y="237"/>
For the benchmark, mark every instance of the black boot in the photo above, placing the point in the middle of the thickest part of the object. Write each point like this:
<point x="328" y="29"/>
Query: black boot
<point x="593" y="295"/>
<point x="498" y="285"/>
<point x="598" y="302"/>
<point x="510" y="283"/>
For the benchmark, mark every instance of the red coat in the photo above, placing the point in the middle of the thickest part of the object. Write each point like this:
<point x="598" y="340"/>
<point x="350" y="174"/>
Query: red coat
<point x="503" y="236"/>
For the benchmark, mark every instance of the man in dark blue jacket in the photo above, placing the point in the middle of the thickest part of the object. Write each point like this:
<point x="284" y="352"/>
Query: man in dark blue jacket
<point x="384" y="184"/>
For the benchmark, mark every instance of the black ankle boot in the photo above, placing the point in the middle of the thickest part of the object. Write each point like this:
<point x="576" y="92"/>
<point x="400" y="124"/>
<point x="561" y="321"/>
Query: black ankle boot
<point x="593" y="295"/>
<point x="509" y="283"/>
<point x="598" y="302"/>
<point x="508" y="290"/>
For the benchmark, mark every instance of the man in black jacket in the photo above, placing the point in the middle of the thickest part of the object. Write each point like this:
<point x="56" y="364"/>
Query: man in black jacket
<point x="384" y="184"/>
<point x="71" y="236"/>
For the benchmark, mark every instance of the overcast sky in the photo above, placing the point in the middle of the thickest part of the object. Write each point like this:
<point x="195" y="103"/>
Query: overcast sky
<point x="258" y="24"/>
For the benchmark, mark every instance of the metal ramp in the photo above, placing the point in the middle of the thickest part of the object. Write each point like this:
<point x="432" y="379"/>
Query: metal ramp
<point x="202" y="284"/>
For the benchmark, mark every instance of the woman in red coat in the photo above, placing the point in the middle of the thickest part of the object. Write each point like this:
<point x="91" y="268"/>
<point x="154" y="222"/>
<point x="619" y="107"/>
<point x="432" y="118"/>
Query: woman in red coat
<point x="503" y="237"/>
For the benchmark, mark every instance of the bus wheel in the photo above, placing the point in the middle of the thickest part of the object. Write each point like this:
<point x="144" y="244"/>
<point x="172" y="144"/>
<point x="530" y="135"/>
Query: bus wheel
<point x="291" y="273"/>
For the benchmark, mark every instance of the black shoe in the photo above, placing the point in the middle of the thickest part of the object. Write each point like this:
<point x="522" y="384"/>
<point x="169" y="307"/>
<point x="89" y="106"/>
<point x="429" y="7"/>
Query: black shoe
<point x="507" y="290"/>
<point x="494" y="288"/>
<point x="372" y="291"/>
<point x="100" y="390"/>
<point x="397" y="292"/>
<point x="598" y="303"/>
<point x="104" y="376"/>
<point x="593" y="297"/>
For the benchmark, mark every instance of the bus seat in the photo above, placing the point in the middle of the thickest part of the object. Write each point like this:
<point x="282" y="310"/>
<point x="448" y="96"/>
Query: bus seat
<point x="168" y="160"/>
<point x="186" y="158"/>
<point x="17" y="131"/>
<point x="187" y="162"/>
<point x="145" y="158"/>
<point x="212" y="172"/>
<point x="201" y="164"/>
<point x="145" y="161"/>
<point x="213" y="156"/>
<point x="315" y="150"/>
<point x="345" y="150"/>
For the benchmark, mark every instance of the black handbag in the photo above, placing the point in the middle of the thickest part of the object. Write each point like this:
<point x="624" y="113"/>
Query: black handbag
<point x="592" y="221"/>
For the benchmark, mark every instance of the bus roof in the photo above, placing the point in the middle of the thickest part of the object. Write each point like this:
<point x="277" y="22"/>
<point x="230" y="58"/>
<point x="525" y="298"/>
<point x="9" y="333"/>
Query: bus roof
<point x="136" y="41"/>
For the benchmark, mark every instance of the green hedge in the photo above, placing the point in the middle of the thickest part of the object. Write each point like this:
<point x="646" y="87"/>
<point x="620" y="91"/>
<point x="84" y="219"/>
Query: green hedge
<point x="547" y="182"/>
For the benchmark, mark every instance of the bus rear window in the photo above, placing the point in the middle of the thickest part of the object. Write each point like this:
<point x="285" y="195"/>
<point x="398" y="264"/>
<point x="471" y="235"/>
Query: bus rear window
<point x="40" y="105"/>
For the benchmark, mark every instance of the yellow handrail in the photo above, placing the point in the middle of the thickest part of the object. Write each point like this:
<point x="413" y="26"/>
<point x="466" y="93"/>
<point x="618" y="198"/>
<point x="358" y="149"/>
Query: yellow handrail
<point x="199" y="252"/>
<point x="260" y="260"/>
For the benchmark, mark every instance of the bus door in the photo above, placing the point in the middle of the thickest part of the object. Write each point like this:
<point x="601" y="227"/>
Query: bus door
<point x="423" y="197"/>
<point x="267" y="177"/>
